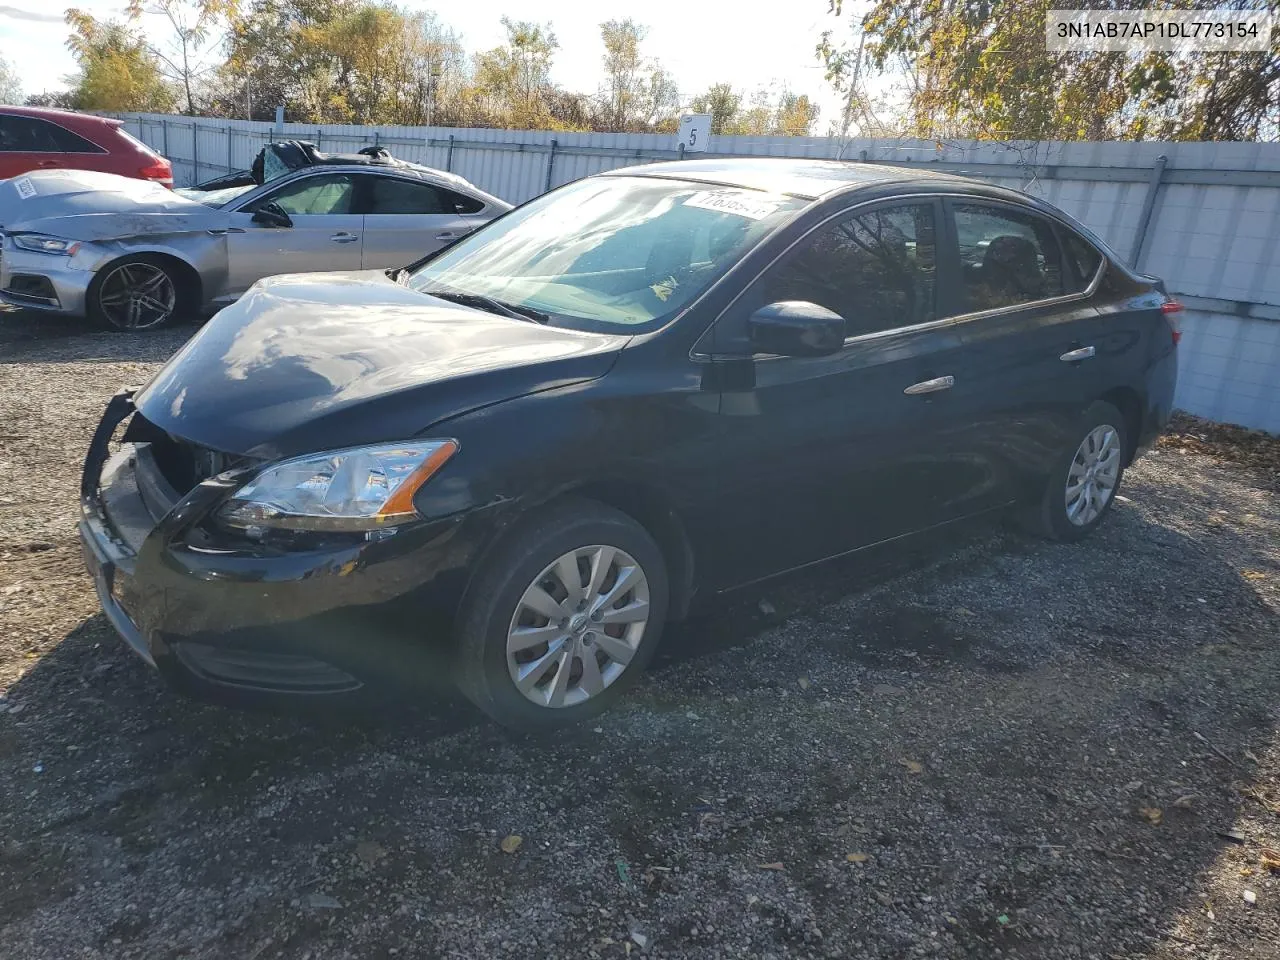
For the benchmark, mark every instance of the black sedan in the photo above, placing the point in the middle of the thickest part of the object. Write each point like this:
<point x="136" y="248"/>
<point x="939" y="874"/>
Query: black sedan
<point x="513" y="462"/>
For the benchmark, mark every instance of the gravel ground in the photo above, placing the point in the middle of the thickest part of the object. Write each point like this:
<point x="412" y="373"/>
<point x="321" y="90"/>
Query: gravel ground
<point x="978" y="745"/>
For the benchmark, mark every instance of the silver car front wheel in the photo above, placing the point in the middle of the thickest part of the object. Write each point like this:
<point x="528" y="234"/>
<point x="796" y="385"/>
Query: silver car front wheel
<point x="136" y="295"/>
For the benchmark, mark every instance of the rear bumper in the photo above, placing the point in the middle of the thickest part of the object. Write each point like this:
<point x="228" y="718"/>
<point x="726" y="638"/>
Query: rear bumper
<point x="1160" y="382"/>
<point x="252" y="622"/>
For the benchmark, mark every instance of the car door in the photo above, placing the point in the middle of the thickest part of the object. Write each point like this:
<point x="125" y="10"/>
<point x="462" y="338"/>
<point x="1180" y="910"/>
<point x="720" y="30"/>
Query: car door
<point x="1036" y="352"/>
<point x="406" y="219"/>
<point x="825" y="454"/>
<point x="26" y="144"/>
<point x="326" y="231"/>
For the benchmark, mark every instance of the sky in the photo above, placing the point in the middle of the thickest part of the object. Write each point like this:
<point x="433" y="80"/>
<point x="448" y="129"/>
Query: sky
<point x="700" y="43"/>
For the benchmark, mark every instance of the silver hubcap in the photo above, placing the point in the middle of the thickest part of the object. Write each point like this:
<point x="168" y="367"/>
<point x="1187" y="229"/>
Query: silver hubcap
<point x="135" y="296"/>
<point x="577" y="626"/>
<point x="1093" y="475"/>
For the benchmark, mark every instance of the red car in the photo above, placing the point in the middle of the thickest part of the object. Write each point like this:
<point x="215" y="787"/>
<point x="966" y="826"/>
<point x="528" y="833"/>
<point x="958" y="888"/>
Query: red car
<point x="34" y="138"/>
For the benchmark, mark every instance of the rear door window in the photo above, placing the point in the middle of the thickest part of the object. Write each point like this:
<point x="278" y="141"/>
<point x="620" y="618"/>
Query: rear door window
<point x="1007" y="257"/>
<point x="395" y="195"/>
<point x="26" y="135"/>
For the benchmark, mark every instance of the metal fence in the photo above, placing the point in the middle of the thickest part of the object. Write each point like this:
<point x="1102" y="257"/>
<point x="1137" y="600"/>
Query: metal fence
<point x="1205" y="216"/>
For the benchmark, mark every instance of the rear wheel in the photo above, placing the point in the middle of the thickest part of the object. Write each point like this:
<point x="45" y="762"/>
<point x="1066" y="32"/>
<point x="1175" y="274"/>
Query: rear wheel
<point x="1083" y="483"/>
<point x="137" y="293"/>
<point x="563" y="618"/>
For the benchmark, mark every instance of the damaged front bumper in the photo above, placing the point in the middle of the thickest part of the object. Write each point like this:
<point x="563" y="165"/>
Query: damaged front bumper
<point x="44" y="281"/>
<point x="248" y="621"/>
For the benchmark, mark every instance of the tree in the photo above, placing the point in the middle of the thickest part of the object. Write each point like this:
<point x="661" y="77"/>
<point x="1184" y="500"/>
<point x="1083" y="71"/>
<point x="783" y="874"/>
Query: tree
<point x="662" y="100"/>
<point x="58" y="99"/>
<point x="118" y="72"/>
<point x="982" y="69"/>
<point x="723" y="104"/>
<point x="199" y="28"/>
<point x="276" y="55"/>
<point x="515" y="79"/>
<point x="623" y="92"/>
<point x="794" y="115"/>
<point x="10" y="86"/>
<point x="637" y="93"/>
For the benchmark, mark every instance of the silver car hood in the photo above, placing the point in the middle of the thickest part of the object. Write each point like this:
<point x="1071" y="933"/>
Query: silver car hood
<point x="86" y="205"/>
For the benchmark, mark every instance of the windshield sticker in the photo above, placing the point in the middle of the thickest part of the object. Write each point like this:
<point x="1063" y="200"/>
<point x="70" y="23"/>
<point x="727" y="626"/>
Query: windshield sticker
<point x="751" y="206"/>
<point x="25" y="187"/>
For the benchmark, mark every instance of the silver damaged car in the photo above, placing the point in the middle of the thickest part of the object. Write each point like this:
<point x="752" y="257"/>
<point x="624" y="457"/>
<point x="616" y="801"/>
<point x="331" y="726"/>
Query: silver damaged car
<point x="133" y="255"/>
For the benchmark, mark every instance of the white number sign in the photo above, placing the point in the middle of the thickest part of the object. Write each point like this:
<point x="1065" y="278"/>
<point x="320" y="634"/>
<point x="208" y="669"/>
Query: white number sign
<point x="695" y="131"/>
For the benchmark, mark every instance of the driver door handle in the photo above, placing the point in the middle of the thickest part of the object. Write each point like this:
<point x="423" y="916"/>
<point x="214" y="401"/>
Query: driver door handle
<point x="1084" y="353"/>
<point x="345" y="237"/>
<point x="451" y="234"/>
<point x="930" y="386"/>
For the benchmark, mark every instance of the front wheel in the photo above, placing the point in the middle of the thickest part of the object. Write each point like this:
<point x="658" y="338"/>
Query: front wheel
<point x="563" y="618"/>
<point x="1083" y="483"/>
<point x="137" y="293"/>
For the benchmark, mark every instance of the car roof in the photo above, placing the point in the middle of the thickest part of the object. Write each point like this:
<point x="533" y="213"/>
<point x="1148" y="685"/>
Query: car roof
<point x="797" y="177"/>
<point x="61" y="116"/>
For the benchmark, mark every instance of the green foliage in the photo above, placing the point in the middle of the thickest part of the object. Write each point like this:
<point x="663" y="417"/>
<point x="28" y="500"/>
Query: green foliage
<point x="375" y="62"/>
<point x="786" y="114"/>
<point x="514" y="80"/>
<point x="117" y="70"/>
<point x="980" y="68"/>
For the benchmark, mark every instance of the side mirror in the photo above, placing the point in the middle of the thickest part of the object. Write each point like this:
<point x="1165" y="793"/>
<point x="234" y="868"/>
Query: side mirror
<point x="796" y="328"/>
<point x="272" y="215"/>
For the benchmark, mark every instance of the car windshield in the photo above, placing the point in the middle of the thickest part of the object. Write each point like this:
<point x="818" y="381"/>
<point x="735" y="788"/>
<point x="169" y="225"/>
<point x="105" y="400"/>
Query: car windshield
<point x="214" y="198"/>
<point x="608" y="252"/>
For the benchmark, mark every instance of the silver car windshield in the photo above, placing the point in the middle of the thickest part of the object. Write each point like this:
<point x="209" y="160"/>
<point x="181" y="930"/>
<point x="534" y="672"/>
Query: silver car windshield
<point x="607" y="252"/>
<point x="214" y="198"/>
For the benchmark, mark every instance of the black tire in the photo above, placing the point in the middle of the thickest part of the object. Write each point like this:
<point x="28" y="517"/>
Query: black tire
<point x="481" y="669"/>
<point x="1049" y="517"/>
<point x="107" y="318"/>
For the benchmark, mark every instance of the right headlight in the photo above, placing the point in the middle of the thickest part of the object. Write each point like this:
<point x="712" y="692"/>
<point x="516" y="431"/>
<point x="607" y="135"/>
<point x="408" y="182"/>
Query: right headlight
<point x="363" y="488"/>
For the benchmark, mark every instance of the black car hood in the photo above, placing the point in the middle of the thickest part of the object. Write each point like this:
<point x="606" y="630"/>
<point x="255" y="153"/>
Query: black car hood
<point x="308" y="362"/>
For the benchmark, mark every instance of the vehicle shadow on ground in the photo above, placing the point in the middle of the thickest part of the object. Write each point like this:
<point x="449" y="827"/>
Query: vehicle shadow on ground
<point x="79" y="338"/>
<point x="1064" y="721"/>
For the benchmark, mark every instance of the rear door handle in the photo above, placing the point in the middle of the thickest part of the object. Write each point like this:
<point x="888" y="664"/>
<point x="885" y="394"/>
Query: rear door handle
<point x="223" y="231"/>
<point x="1084" y="353"/>
<point x="450" y="235"/>
<point x="48" y="163"/>
<point x="930" y="386"/>
<point x="345" y="237"/>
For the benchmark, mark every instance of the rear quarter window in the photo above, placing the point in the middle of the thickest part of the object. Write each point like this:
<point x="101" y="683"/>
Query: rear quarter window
<point x="70" y="142"/>
<point x="1083" y="259"/>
